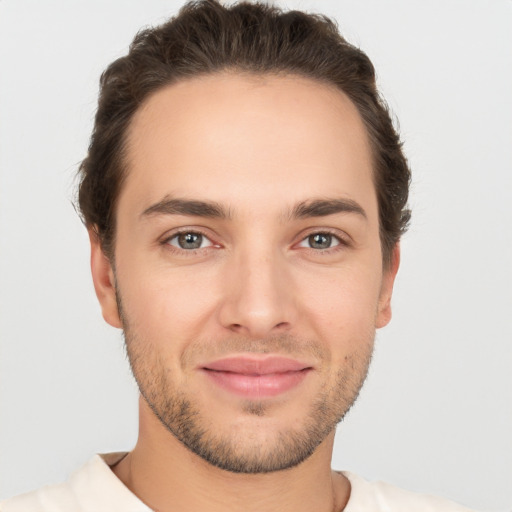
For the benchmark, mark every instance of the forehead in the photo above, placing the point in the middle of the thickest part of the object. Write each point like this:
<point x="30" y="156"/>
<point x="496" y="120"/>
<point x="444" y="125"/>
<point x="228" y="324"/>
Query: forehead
<point x="219" y="136"/>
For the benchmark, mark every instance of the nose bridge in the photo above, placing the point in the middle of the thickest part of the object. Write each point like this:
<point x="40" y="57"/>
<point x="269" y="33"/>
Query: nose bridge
<point x="258" y="292"/>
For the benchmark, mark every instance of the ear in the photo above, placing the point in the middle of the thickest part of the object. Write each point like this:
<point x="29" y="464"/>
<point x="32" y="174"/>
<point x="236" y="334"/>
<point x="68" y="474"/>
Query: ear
<point x="104" y="282"/>
<point x="386" y="291"/>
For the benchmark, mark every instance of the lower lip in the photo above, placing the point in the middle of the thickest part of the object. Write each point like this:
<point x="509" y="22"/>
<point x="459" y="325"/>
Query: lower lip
<point x="257" y="386"/>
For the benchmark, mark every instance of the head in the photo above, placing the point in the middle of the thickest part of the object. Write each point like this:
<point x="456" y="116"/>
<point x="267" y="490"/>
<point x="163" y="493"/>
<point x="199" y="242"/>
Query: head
<point x="245" y="192"/>
<point x="207" y="38"/>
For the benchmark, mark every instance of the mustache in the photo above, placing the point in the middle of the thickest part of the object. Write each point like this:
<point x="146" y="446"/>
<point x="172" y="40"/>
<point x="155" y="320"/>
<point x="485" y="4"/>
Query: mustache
<point x="282" y="344"/>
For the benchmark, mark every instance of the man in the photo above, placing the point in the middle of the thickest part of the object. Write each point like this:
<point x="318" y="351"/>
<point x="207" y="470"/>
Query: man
<point x="245" y="193"/>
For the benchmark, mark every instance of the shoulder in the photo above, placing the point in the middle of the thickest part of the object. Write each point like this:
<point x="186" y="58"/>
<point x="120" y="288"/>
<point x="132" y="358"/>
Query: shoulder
<point x="92" y="488"/>
<point x="57" y="498"/>
<point x="381" y="496"/>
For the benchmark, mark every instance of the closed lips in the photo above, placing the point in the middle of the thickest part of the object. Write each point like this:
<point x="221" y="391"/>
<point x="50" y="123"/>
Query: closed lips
<point x="257" y="366"/>
<point x="257" y="378"/>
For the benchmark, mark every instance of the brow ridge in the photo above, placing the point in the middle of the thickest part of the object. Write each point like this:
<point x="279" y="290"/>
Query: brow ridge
<point x="211" y="209"/>
<point x="191" y="207"/>
<point x="324" y="207"/>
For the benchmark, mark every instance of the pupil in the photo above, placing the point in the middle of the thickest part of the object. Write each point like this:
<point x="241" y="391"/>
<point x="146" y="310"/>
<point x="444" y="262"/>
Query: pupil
<point x="190" y="240"/>
<point x="320" y="241"/>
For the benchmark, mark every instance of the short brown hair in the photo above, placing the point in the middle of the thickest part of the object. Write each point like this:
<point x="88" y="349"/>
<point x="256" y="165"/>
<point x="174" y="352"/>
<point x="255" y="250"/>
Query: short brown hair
<point x="206" y="37"/>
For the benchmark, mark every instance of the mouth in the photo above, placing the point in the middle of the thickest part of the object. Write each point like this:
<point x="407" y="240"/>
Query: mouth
<point x="256" y="377"/>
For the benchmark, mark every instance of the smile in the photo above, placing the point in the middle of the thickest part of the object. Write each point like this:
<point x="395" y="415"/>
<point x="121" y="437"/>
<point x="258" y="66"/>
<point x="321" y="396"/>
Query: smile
<point x="256" y="378"/>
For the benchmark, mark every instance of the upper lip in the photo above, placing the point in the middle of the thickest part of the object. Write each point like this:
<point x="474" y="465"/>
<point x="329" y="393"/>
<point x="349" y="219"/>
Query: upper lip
<point x="253" y="365"/>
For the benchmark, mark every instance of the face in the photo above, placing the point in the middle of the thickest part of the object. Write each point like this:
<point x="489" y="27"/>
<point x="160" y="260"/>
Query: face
<point x="248" y="270"/>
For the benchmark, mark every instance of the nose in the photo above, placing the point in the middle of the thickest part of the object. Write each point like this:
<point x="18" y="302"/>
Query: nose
<point x="258" y="295"/>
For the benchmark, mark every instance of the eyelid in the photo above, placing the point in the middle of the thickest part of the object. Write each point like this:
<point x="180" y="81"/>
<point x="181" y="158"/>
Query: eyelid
<point x="176" y="237"/>
<point x="165" y="239"/>
<point x="305" y="241"/>
<point x="343" y="238"/>
<point x="344" y="242"/>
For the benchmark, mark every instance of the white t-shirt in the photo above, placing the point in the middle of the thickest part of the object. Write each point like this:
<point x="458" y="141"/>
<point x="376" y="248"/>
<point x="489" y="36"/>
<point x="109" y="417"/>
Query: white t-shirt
<point x="95" y="488"/>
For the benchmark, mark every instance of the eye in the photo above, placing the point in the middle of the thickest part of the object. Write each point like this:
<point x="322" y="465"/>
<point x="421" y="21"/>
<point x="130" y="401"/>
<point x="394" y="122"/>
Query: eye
<point x="320" y="241"/>
<point x="189" y="240"/>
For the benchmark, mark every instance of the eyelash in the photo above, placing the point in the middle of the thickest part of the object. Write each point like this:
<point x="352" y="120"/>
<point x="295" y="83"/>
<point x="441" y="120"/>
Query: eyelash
<point x="186" y="252"/>
<point x="342" y="242"/>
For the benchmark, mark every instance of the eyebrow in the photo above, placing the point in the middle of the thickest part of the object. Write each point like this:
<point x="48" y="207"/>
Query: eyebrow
<point x="324" y="207"/>
<point x="211" y="209"/>
<point x="195" y="208"/>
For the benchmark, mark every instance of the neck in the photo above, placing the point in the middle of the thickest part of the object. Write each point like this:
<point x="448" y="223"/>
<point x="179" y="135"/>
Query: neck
<point x="167" y="476"/>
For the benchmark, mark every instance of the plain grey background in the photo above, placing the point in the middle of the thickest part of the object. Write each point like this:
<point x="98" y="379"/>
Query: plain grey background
<point x="436" y="413"/>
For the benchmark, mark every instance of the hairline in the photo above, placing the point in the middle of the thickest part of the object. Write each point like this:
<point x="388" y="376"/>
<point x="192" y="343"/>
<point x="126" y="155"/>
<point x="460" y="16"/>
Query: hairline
<point x="257" y="77"/>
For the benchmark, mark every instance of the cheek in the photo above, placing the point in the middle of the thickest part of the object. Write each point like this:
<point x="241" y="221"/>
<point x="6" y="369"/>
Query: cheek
<point x="343" y="304"/>
<point x="165" y="301"/>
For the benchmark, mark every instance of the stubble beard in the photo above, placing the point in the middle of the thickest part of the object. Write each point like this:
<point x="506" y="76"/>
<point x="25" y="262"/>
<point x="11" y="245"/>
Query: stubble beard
<point x="243" y="451"/>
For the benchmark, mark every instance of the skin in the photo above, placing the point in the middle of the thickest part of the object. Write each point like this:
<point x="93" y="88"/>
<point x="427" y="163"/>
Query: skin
<point x="257" y="146"/>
